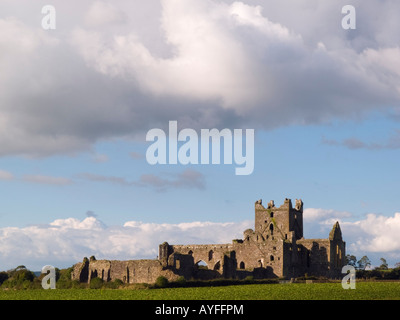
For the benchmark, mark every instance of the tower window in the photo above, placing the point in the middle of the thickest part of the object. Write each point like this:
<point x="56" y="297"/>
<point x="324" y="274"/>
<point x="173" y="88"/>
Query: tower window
<point x="271" y="215"/>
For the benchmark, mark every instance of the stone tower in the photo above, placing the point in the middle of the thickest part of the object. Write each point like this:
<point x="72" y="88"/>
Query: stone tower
<point x="285" y="221"/>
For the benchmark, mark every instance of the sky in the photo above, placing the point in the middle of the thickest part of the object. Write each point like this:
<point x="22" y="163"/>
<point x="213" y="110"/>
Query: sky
<point x="77" y="100"/>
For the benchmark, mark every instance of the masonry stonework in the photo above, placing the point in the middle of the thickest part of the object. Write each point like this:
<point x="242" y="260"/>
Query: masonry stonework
<point x="275" y="248"/>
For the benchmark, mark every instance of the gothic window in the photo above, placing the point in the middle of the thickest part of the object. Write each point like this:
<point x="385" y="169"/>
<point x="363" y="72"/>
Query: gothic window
<point x="241" y="266"/>
<point x="271" y="229"/>
<point x="201" y="264"/>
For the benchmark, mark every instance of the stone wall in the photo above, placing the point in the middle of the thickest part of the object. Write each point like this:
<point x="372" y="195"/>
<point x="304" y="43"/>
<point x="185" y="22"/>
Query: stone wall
<point x="129" y="271"/>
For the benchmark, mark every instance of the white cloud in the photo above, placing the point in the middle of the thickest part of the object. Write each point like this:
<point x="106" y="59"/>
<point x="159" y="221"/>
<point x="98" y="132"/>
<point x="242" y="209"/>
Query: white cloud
<point x="207" y="40"/>
<point x="381" y="233"/>
<point x="312" y="214"/>
<point x="103" y="13"/>
<point x="237" y="56"/>
<point x="373" y="235"/>
<point x="112" y="71"/>
<point x="64" y="242"/>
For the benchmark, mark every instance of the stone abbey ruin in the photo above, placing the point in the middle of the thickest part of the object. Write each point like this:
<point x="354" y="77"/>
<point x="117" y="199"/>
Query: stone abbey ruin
<point x="275" y="248"/>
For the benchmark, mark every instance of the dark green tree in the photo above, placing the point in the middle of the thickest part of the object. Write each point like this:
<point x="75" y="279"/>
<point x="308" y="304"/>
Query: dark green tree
<point x="351" y="260"/>
<point x="363" y="263"/>
<point x="384" y="265"/>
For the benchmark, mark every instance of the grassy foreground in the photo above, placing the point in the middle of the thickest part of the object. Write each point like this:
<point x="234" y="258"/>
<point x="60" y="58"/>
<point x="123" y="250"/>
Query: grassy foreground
<point x="294" y="291"/>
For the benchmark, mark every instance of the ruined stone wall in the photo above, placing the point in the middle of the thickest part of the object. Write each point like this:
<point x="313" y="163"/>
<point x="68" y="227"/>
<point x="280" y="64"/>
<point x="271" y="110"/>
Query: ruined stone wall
<point x="315" y="255"/>
<point x="214" y="256"/>
<point x="266" y="256"/>
<point x="129" y="271"/>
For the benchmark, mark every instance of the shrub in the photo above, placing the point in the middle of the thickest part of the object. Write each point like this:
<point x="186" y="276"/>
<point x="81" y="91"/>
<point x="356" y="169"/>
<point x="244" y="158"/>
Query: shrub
<point x="161" y="282"/>
<point x="113" y="284"/>
<point x="3" y="276"/>
<point x="181" y="281"/>
<point x="96" y="283"/>
<point x="118" y="282"/>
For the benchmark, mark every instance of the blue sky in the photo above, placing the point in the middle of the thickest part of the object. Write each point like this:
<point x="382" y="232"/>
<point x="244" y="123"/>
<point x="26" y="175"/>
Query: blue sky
<point x="77" y="102"/>
<point x="295" y="161"/>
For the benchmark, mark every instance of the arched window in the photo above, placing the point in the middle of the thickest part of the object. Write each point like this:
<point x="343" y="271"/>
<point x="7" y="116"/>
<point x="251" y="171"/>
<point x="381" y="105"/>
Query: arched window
<point x="271" y="258"/>
<point x="271" y="229"/>
<point x="217" y="266"/>
<point x="210" y="255"/>
<point x="201" y="265"/>
<point x="271" y="215"/>
<point x="241" y="265"/>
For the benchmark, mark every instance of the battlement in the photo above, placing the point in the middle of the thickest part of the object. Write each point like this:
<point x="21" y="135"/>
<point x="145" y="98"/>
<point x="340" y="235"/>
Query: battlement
<point x="286" y="220"/>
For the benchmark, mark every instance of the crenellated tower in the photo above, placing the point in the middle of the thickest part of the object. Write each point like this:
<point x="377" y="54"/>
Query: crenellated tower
<point x="285" y="221"/>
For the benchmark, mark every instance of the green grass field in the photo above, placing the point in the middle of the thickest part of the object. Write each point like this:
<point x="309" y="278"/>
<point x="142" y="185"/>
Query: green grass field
<point x="294" y="291"/>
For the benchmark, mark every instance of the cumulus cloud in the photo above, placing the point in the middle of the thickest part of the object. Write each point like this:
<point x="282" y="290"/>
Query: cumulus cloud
<point x="113" y="72"/>
<point x="374" y="235"/>
<point x="102" y="13"/>
<point x="382" y="232"/>
<point x="237" y="56"/>
<point x="64" y="242"/>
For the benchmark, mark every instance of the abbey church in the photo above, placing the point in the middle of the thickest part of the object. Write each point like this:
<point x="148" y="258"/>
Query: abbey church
<point x="276" y="248"/>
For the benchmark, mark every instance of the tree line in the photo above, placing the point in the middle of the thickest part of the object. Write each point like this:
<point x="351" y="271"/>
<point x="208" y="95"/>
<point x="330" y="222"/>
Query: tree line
<point x="364" y="270"/>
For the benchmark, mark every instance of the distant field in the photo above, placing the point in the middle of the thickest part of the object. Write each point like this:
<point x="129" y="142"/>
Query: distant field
<point x="294" y="291"/>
